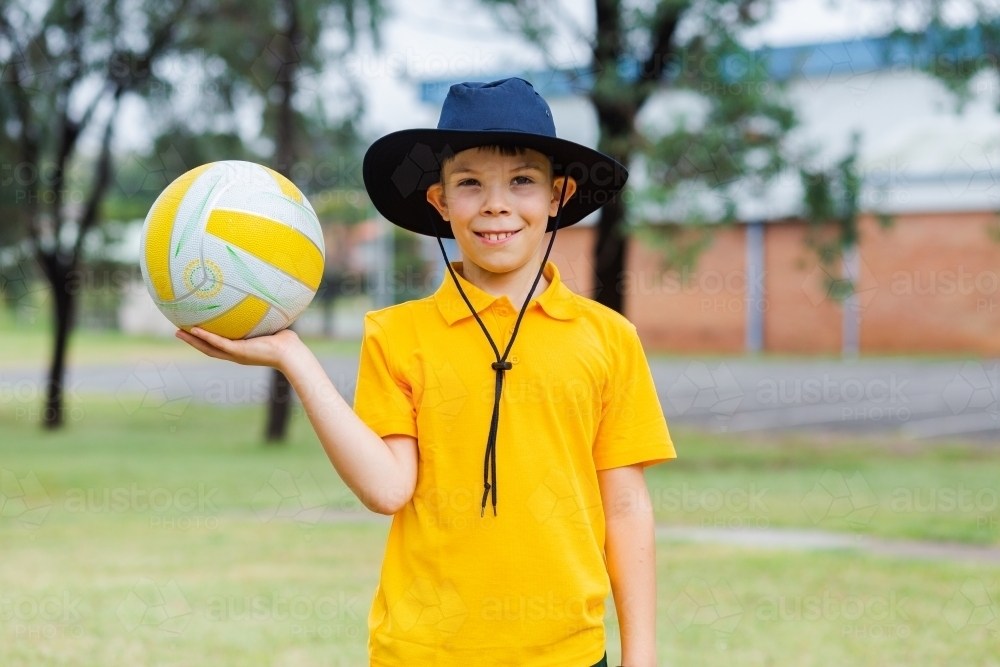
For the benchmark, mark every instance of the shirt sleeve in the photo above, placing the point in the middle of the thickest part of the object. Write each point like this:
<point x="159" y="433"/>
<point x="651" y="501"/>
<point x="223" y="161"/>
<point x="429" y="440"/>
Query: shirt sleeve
<point x="632" y="428"/>
<point x="382" y="399"/>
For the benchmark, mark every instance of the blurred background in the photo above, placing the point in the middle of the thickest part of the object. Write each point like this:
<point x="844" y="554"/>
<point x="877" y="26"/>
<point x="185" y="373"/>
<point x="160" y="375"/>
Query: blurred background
<point x="809" y="247"/>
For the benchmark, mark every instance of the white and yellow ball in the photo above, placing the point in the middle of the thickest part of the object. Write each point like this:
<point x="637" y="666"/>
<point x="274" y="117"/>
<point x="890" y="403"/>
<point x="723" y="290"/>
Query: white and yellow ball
<point x="234" y="248"/>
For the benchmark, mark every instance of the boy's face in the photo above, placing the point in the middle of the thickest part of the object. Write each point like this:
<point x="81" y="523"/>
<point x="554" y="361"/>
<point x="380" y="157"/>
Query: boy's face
<point x="498" y="205"/>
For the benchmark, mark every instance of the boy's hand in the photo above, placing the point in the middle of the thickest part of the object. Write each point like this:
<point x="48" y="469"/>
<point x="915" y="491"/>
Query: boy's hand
<point x="273" y="350"/>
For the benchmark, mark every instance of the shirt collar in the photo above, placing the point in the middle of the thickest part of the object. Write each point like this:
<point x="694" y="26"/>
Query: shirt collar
<point x="557" y="300"/>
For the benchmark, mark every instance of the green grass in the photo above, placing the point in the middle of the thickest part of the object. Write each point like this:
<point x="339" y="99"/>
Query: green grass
<point x="70" y="577"/>
<point x="138" y="499"/>
<point x="819" y="609"/>
<point x="879" y="486"/>
<point x="311" y="587"/>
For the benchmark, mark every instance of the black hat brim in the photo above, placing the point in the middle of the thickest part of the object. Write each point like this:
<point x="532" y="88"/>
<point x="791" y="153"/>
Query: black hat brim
<point x="399" y="167"/>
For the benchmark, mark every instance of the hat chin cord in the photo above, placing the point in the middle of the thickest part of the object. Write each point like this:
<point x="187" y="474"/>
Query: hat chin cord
<point x="501" y="364"/>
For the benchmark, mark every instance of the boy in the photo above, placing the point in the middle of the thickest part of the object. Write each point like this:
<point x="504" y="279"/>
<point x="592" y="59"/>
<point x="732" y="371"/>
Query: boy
<point x="525" y="583"/>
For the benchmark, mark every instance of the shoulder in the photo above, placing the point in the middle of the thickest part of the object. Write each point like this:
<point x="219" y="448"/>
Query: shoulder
<point x="392" y="333"/>
<point x="401" y="318"/>
<point x="613" y="328"/>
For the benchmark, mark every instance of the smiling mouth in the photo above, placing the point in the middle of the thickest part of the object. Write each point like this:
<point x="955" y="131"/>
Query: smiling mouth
<point x="496" y="237"/>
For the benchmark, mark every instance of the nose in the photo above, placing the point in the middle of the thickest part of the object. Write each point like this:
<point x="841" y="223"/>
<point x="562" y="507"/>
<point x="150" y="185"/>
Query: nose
<point x="495" y="202"/>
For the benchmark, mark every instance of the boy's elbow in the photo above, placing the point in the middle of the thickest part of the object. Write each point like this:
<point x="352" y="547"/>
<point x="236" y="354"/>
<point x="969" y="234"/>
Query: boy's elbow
<point x="383" y="508"/>
<point x="387" y="503"/>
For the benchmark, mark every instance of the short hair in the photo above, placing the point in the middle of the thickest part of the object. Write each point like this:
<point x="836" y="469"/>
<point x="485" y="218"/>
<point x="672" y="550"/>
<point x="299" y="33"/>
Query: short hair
<point x="508" y="150"/>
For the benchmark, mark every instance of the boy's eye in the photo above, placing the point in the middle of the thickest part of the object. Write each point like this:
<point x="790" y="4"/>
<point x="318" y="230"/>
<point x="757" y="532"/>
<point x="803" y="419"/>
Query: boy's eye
<point x="468" y="181"/>
<point x="524" y="180"/>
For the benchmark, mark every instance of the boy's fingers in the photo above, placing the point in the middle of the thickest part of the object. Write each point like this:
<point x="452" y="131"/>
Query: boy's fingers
<point x="215" y="340"/>
<point x="198" y="344"/>
<point x="203" y="347"/>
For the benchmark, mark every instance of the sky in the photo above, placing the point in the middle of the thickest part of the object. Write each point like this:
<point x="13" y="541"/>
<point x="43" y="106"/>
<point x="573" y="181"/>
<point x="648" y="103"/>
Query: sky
<point x="445" y="38"/>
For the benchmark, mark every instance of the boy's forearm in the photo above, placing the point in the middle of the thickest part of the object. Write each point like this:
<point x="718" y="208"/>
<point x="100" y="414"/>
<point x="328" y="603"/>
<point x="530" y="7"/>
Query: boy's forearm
<point x="630" y="550"/>
<point x="360" y="456"/>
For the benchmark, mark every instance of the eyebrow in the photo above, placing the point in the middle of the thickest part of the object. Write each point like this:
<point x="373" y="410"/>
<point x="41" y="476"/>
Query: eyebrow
<point x="463" y="169"/>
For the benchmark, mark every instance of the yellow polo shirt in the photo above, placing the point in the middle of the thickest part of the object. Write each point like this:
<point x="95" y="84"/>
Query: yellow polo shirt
<point x="528" y="586"/>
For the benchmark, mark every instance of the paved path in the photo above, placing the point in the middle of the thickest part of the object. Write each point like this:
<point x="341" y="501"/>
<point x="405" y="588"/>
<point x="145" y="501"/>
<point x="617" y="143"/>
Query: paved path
<point x="914" y="399"/>
<point x="810" y="540"/>
<point x="917" y="399"/>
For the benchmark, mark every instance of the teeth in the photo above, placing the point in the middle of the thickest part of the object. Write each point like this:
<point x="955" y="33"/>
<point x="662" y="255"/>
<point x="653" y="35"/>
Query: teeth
<point x="497" y="237"/>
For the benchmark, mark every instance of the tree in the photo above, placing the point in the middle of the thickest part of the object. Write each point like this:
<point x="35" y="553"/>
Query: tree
<point x="636" y="51"/>
<point x="287" y="53"/>
<point x="954" y="54"/>
<point x="50" y="62"/>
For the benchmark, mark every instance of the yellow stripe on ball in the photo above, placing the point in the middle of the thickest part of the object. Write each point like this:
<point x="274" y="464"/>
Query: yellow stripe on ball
<point x="277" y="244"/>
<point x="161" y="226"/>
<point x="286" y="185"/>
<point x="239" y="320"/>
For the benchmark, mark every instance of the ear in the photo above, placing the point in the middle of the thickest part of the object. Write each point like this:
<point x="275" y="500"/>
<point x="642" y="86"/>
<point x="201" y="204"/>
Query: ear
<point x="435" y="195"/>
<point x="557" y="186"/>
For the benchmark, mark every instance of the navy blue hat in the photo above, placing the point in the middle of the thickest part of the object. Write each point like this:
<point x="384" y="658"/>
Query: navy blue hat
<point x="399" y="167"/>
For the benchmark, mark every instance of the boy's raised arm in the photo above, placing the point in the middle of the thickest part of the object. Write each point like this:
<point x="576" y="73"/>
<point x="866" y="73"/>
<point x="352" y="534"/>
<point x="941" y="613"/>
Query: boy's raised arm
<point x="382" y="473"/>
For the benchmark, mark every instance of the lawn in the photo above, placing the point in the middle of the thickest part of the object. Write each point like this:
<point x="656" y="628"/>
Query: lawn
<point x="876" y="485"/>
<point x="149" y="541"/>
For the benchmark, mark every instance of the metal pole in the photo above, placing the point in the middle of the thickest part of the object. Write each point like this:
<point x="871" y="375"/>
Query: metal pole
<point x="851" y="322"/>
<point x="756" y="303"/>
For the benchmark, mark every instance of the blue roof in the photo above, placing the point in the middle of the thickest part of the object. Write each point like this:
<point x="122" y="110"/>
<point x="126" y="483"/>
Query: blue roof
<point x="548" y="83"/>
<point x="869" y="54"/>
<point x="820" y="59"/>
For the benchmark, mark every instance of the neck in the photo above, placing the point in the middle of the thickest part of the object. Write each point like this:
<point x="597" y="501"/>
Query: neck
<point x="512" y="284"/>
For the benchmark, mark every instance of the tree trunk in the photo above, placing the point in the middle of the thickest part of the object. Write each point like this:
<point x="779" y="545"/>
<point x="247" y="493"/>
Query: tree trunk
<point x="279" y="400"/>
<point x="610" y="250"/>
<point x="278" y="404"/>
<point x="610" y="255"/>
<point x="617" y="102"/>
<point x="616" y="108"/>
<point x="63" y="312"/>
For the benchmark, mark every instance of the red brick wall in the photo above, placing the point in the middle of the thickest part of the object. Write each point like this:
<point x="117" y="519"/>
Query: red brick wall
<point x="702" y="309"/>
<point x="929" y="283"/>
<point x="935" y="284"/>
<point x="705" y="315"/>
<point x="800" y="316"/>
